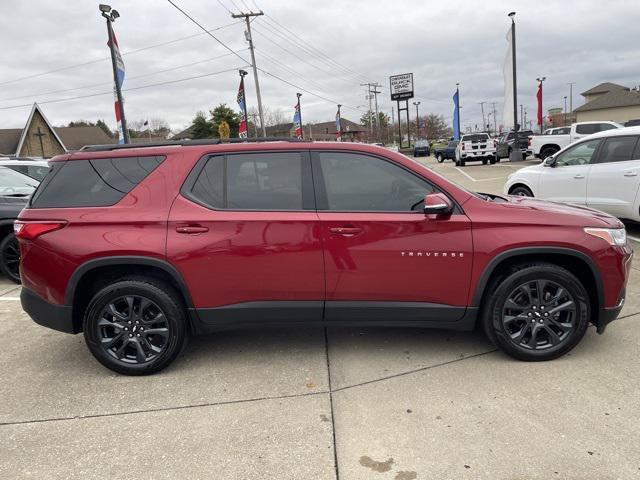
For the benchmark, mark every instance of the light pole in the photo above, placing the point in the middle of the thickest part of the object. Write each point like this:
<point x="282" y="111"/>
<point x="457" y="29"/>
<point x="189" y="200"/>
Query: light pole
<point x="516" y="153"/>
<point x="539" y="119"/>
<point x="417" y="104"/>
<point x="571" y="84"/>
<point x="565" y="111"/>
<point x="111" y="15"/>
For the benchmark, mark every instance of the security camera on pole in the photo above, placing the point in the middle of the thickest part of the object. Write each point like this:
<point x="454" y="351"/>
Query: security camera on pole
<point x="118" y="71"/>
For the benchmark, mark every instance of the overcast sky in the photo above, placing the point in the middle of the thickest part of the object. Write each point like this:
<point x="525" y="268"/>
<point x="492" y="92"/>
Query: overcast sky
<point x="441" y="42"/>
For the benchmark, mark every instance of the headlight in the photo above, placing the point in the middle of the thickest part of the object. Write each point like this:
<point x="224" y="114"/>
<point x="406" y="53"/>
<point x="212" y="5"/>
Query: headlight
<point x="613" y="236"/>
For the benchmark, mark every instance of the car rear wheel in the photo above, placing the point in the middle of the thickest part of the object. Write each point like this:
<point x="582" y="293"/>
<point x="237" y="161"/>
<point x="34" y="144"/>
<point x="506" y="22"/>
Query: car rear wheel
<point x="439" y="158"/>
<point x="538" y="312"/>
<point x="521" y="191"/>
<point x="10" y="258"/>
<point x="135" y="326"/>
<point x="484" y="161"/>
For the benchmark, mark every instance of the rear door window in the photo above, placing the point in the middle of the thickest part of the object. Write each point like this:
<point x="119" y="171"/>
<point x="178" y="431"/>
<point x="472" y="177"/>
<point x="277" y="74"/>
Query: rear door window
<point x="92" y="183"/>
<point x="617" y="149"/>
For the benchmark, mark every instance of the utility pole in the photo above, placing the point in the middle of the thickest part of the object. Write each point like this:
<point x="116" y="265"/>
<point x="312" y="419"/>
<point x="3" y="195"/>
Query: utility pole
<point x="484" y="123"/>
<point x="368" y="85"/>
<point x="375" y="96"/>
<point x="521" y="116"/>
<point x="249" y="38"/>
<point x="571" y="84"/>
<point x="565" y="111"/>
<point x="393" y="122"/>
<point x="111" y="16"/>
<point x="516" y="153"/>
<point x="417" y="104"/>
<point x="495" y="124"/>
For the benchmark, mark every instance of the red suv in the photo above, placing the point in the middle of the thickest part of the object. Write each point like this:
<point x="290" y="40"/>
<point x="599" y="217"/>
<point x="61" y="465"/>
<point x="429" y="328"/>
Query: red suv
<point x="138" y="247"/>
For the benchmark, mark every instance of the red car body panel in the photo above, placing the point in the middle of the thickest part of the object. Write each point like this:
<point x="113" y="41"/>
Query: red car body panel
<point x="303" y="255"/>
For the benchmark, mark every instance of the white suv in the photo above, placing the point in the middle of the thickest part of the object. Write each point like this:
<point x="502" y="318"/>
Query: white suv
<point x="601" y="171"/>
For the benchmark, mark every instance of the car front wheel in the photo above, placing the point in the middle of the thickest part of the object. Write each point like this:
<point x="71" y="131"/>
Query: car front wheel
<point x="521" y="191"/>
<point x="135" y="326"/>
<point x="538" y="312"/>
<point x="439" y="158"/>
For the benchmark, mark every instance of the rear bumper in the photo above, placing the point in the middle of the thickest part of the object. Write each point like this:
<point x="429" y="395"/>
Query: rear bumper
<point x="57" y="317"/>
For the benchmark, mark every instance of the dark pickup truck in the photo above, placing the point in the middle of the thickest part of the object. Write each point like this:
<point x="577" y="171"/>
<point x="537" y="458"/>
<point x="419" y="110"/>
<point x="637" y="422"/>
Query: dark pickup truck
<point x="449" y="151"/>
<point x="505" y="144"/>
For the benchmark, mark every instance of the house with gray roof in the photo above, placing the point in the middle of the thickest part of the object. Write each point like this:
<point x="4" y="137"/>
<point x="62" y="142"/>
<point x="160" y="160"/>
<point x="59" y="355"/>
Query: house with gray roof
<point x="609" y="101"/>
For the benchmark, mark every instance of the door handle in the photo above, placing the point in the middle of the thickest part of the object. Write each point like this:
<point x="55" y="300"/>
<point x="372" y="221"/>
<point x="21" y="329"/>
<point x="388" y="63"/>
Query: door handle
<point x="578" y="176"/>
<point x="345" y="231"/>
<point x="630" y="174"/>
<point x="191" y="229"/>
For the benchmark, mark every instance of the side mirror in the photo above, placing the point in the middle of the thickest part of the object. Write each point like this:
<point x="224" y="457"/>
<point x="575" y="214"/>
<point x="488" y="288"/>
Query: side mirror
<point x="437" y="204"/>
<point x="550" y="161"/>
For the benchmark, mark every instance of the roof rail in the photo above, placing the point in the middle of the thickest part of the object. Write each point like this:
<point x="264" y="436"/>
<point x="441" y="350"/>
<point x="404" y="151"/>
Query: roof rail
<point x="202" y="141"/>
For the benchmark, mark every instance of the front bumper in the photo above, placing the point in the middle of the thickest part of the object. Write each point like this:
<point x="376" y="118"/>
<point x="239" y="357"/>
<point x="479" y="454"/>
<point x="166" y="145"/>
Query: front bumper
<point x="57" y="317"/>
<point x="608" y="315"/>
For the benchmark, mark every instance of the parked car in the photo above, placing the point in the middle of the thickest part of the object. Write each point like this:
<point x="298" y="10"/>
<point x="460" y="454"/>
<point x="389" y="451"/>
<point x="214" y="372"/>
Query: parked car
<point x="475" y="146"/>
<point x="543" y="146"/>
<point x="201" y="236"/>
<point x="505" y="142"/>
<point x="446" y="152"/>
<point x="15" y="189"/>
<point x="421" y="148"/>
<point x="36" y="169"/>
<point x="601" y="171"/>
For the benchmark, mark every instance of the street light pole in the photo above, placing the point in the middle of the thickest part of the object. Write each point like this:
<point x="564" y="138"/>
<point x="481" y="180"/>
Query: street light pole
<point x="417" y="120"/>
<point x="571" y="84"/>
<point x="111" y="15"/>
<point x="484" y="125"/>
<point x="516" y="153"/>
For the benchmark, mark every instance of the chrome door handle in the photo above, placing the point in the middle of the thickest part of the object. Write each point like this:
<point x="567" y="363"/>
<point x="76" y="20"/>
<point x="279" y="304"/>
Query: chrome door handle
<point x="631" y="174"/>
<point x="345" y="231"/>
<point x="578" y="176"/>
<point x="191" y="229"/>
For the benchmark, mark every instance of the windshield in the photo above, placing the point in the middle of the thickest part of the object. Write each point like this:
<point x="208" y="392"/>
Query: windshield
<point x="422" y="143"/>
<point x="16" y="184"/>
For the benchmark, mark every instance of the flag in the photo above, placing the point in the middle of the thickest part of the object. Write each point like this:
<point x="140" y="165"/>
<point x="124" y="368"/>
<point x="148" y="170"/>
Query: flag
<point x="120" y="80"/>
<point x="338" y="127"/>
<point x="456" y="120"/>
<point x="145" y="126"/>
<point x="539" y="97"/>
<point x="296" y="121"/>
<point x="507" y="72"/>
<point x="242" y="129"/>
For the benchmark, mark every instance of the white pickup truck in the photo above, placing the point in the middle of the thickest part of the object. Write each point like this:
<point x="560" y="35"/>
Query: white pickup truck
<point x="546" y="145"/>
<point x="475" y="146"/>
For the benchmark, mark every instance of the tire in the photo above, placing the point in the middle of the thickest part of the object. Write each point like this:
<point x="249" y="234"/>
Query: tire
<point x="516" y="321"/>
<point x="547" y="152"/>
<point x="485" y="161"/>
<point x="439" y="158"/>
<point x="10" y="258"/>
<point x="135" y="352"/>
<point x="460" y="163"/>
<point x="521" y="191"/>
<point x="493" y="160"/>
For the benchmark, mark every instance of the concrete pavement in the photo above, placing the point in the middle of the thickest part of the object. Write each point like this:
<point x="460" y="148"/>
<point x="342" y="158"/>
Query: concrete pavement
<point x="389" y="404"/>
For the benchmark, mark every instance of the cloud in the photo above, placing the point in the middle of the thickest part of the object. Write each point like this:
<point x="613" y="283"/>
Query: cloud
<point x="442" y="43"/>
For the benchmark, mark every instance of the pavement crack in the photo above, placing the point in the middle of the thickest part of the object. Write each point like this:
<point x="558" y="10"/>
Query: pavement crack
<point x="333" y="421"/>
<point x="411" y="372"/>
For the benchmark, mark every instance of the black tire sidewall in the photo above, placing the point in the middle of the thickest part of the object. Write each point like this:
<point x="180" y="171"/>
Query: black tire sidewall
<point x="439" y="158"/>
<point x="161" y="296"/>
<point x="3" y="267"/>
<point x="529" y="192"/>
<point x="492" y="313"/>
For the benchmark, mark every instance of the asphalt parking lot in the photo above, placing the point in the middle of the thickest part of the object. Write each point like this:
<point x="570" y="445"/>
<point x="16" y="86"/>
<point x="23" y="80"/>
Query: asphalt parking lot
<point x="348" y="403"/>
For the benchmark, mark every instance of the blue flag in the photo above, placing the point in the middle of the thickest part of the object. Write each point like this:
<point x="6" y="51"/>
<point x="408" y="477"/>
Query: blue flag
<point x="456" y="106"/>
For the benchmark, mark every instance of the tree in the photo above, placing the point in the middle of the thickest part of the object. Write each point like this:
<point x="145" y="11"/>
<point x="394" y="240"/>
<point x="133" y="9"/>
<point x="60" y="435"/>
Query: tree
<point x="222" y="113"/>
<point x="157" y="127"/>
<point x="383" y="119"/>
<point x="103" y="126"/>
<point x="223" y="130"/>
<point x="435" y="127"/>
<point x="201" y="127"/>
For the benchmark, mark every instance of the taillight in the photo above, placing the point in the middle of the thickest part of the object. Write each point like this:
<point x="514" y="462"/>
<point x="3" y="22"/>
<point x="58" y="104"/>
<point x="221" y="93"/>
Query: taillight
<point x="495" y="143"/>
<point x="32" y="230"/>
<point x="462" y="147"/>
<point x="529" y="143"/>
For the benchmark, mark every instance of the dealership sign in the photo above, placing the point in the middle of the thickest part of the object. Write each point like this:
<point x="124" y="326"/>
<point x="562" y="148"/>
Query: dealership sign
<point x="401" y="86"/>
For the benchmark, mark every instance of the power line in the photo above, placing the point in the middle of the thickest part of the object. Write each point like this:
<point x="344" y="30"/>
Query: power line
<point x="91" y="62"/>
<point x="108" y="83"/>
<point x="208" y="32"/>
<point x="140" y="87"/>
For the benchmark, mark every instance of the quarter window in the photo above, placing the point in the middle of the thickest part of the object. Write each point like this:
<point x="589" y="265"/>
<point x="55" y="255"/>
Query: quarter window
<point x="580" y="154"/>
<point x="617" y="149"/>
<point x="356" y="182"/>
<point x="255" y="181"/>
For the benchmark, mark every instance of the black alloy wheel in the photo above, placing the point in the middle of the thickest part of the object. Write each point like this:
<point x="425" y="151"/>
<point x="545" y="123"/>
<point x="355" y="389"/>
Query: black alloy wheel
<point x="133" y="329"/>
<point x="539" y="314"/>
<point x="10" y="258"/>
<point x="135" y="326"/>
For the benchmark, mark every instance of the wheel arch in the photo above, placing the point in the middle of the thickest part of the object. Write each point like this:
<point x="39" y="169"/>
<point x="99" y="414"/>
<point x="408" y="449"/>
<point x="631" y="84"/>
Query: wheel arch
<point x="94" y="274"/>
<point x="575" y="261"/>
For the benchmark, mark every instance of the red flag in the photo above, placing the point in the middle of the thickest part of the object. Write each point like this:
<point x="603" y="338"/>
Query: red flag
<point x="242" y="103"/>
<point x="539" y="97"/>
